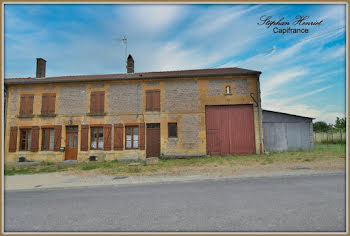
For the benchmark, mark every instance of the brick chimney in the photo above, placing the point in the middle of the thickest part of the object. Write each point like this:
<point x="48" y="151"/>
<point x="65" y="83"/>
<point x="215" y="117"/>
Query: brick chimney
<point x="40" y="68"/>
<point x="130" y="64"/>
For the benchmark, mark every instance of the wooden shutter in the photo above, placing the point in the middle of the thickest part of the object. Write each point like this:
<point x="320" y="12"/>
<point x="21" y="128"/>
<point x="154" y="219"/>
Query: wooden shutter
<point x="149" y="100"/>
<point x="30" y="100"/>
<point x="93" y="103"/>
<point x="156" y="100"/>
<point x="101" y="102"/>
<point x="13" y="139"/>
<point x="51" y="103"/>
<point x="57" y="137"/>
<point x="142" y="136"/>
<point x="44" y="104"/>
<point x="97" y="102"/>
<point x="84" y="144"/>
<point x="35" y="139"/>
<point x="22" y="105"/>
<point x="26" y="104"/>
<point x="118" y="136"/>
<point x="107" y="137"/>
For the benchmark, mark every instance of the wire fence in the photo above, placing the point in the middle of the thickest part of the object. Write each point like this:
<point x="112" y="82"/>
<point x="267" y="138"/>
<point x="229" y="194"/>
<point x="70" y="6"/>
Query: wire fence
<point x="330" y="137"/>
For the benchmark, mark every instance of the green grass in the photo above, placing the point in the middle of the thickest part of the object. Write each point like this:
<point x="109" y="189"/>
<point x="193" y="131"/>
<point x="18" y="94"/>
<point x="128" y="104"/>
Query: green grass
<point x="319" y="153"/>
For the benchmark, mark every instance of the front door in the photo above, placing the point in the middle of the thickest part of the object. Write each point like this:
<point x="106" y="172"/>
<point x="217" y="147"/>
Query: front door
<point x="153" y="140"/>
<point x="71" y="142"/>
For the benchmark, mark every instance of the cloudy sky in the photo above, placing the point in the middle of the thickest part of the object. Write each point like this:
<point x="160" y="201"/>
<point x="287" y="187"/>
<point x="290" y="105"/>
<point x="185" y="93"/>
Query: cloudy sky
<point x="302" y="73"/>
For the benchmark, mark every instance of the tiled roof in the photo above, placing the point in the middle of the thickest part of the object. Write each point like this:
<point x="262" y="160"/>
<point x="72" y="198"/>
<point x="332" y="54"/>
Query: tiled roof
<point x="134" y="76"/>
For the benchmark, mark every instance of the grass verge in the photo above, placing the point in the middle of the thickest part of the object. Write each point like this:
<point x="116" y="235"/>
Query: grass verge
<point x="322" y="155"/>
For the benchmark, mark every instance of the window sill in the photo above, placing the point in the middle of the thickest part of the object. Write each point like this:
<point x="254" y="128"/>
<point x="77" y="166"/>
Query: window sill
<point x="97" y="114"/>
<point x="47" y="115"/>
<point x="25" y="116"/>
<point x="154" y="111"/>
<point x="227" y="94"/>
<point x="173" y="138"/>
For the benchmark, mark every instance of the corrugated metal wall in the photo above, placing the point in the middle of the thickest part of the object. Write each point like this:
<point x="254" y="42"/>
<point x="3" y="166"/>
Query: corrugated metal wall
<point x="286" y="132"/>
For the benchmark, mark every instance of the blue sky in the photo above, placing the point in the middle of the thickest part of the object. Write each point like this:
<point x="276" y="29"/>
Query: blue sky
<point x="302" y="74"/>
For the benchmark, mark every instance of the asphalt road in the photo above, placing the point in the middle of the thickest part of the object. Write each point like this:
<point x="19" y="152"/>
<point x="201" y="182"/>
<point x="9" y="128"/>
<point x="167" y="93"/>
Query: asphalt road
<point x="299" y="203"/>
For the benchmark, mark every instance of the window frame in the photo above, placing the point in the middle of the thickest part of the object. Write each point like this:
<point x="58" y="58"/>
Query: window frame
<point x="48" y="142"/>
<point x="27" y="130"/>
<point x="97" y="138"/>
<point x="169" y="124"/>
<point x="132" y="137"/>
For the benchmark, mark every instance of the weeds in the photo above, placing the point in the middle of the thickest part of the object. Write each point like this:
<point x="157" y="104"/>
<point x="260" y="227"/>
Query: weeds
<point x="319" y="153"/>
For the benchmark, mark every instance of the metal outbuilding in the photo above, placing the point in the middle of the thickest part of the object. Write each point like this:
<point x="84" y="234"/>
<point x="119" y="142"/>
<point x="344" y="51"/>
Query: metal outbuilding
<point x="284" y="132"/>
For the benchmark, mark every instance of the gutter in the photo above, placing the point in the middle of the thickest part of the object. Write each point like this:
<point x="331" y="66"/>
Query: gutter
<point x="140" y="77"/>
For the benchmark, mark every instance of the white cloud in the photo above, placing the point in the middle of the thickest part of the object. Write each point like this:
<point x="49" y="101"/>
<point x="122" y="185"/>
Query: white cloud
<point x="151" y="18"/>
<point x="272" y="83"/>
<point x="216" y="19"/>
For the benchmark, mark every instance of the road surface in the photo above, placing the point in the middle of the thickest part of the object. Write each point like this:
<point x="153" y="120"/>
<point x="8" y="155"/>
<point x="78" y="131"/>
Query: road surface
<point x="295" y="203"/>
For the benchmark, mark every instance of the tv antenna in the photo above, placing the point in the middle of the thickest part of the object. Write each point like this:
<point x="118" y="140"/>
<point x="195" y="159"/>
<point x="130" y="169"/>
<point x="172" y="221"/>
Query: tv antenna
<point x="124" y="40"/>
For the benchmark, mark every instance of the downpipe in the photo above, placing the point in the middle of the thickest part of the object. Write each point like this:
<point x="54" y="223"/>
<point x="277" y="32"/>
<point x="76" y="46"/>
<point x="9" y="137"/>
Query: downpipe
<point x="259" y="110"/>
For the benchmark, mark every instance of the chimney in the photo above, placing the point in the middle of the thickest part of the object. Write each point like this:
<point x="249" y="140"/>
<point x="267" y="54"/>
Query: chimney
<point x="130" y="64"/>
<point x="40" y="68"/>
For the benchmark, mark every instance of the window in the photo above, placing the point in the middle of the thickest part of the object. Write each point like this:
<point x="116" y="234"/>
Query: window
<point x="172" y="130"/>
<point x="97" y="102"/>
<point x="47" y="139"/>
<point x="97" y="138"/>
<point x="25" y="139"/>
<point x="26" y="105"/>
<point x="228" y="90"/>
<point x="132" y="137"/>
<point x="48" y="104"/>
<point x="152" y="100"/>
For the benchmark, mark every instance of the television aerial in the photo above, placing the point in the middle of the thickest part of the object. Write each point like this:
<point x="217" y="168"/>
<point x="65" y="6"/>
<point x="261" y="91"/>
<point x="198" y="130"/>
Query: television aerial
<point x="124" y="40"/>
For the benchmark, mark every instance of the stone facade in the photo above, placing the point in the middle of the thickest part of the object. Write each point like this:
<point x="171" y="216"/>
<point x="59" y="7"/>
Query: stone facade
<point x="72" y="99"/>
<point x="125" y="98"/>
<point x="182" y="101"/>
<point x="181" y="96"/>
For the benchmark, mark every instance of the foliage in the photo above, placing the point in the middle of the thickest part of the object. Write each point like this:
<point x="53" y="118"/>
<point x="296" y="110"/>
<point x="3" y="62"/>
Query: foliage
<point x="320" y="126"/>
<point x="340" y="124"/>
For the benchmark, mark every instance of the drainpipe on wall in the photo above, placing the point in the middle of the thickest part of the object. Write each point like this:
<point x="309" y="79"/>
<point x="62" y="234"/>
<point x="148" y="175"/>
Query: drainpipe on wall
<point x="5" y="105"/>
<point x="259" y="109"/>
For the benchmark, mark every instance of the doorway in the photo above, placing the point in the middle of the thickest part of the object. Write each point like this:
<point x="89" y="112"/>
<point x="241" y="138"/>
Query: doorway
<point x="153" y="140"/>
<point x="71" y="143"/>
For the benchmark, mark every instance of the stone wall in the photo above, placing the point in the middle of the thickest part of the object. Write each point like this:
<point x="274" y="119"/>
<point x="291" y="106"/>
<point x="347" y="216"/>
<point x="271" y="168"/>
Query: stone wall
<point x="180" y="96"/>
<point x="72" y="99"/>
<point x="125" y="98"/>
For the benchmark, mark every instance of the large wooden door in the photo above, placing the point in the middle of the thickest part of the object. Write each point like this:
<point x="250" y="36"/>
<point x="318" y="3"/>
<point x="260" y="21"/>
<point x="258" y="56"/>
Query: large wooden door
<point x="71" y="143"/>
<point x="230" y="129"/>
<point x="153" y="140"/>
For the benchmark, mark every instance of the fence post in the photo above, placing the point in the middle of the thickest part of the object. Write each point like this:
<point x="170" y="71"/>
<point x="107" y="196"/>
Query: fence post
<point x="332" y="137"/>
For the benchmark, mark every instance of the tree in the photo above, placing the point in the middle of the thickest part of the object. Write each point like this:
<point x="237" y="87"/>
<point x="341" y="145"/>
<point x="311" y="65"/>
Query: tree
<point x="320" y="126"/>
<point x="340" y="123"/>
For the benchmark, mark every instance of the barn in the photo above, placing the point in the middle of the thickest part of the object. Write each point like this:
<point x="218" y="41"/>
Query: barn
<point x="284" y="132"/>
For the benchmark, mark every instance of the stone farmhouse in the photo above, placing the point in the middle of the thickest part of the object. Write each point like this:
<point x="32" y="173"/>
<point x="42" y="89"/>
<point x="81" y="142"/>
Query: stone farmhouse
<point x="133" y="115"/>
